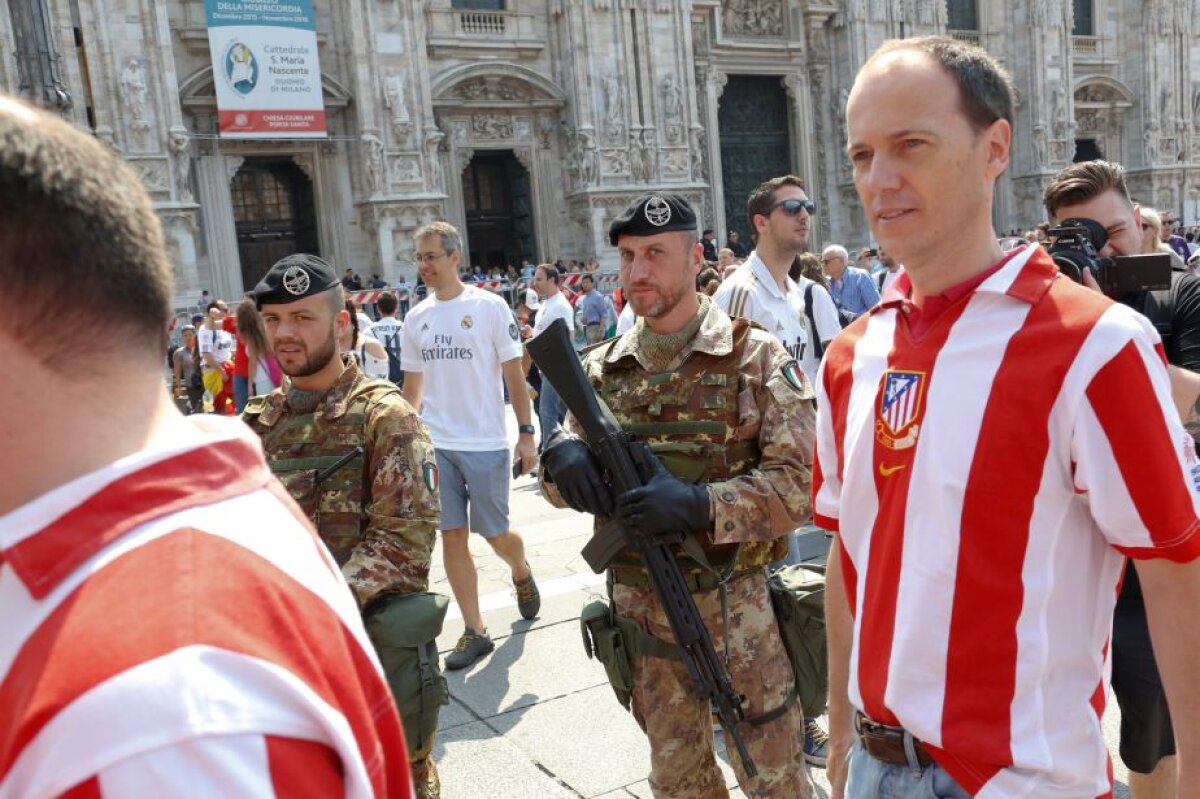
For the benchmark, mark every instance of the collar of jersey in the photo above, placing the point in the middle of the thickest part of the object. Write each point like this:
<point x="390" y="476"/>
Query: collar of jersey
<point x="759" y="267"/>
<point x="1026" y="276"/>
<point x="47" y="539"/>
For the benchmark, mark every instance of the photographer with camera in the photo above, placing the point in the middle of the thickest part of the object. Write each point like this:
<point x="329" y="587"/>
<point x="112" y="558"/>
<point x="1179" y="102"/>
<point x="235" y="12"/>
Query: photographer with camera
<point x="1092" y="196"/>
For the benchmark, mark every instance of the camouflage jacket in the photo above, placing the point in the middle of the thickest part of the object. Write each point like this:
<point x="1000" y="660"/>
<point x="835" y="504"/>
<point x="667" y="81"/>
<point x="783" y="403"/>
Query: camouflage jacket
<point x="378" y="514"/>
<point x="736" y="414"/>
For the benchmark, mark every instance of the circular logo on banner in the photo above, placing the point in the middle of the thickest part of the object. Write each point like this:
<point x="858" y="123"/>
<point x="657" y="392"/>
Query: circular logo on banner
<point x="241" y="68"/>
<point x="657" y="211"/>
<point x="296" y="281"/>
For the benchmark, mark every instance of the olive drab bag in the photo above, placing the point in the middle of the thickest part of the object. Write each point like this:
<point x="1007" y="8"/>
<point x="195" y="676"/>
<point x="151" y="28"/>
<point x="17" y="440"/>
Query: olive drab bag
<point x="798" y="597"/>
<point x="404" y="630"/>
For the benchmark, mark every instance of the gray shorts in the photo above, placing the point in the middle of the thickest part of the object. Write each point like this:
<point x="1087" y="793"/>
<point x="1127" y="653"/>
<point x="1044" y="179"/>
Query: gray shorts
<point x="480" y="479"/>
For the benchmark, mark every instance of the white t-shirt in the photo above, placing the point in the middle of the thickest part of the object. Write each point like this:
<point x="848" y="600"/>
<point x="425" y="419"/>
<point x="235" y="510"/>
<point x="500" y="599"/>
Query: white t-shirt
<point x="459" y="345"/>
<point x="218" y="343"/>
<point x="554" y="307"/>
<point x="884" y="279"/>
<point x="626" y="320"/>
<point x="382" y="331"/>
<point x="752" y="293"/>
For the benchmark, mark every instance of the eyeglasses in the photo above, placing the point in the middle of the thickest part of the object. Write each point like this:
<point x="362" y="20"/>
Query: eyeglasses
<point x="794" y="207"/>
<point x="429" y="257"/>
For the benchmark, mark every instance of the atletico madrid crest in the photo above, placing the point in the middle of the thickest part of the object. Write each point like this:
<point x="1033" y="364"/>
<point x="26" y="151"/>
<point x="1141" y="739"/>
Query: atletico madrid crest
<point x="901" y="401"/>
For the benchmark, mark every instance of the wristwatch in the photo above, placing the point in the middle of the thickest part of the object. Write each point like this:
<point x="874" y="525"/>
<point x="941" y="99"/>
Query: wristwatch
<point x="526" y="428"/>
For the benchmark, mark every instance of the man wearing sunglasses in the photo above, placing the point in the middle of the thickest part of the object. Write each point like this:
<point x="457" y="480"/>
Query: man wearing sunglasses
<point x="800" y="314"/>
<point x="761" y="291"/>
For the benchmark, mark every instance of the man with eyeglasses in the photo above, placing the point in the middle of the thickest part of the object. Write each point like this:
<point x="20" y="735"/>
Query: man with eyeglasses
<point x="853" y="291"/>
<point x="458" y="344"/>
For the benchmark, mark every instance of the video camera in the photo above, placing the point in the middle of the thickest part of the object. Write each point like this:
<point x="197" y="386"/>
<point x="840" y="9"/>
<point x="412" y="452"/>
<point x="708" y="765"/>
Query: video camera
<point x="1076" y="247"/>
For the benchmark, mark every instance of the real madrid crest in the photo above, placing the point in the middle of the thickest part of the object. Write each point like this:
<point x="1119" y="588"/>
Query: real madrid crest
<point x="467" y="322"/>
<point x="901" y="402"/>
<point x="657" y="211"/>
<point x="296" y="281"/>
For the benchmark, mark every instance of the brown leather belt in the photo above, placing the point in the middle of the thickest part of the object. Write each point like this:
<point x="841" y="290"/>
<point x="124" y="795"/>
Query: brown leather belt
<point x="887" y="743"/>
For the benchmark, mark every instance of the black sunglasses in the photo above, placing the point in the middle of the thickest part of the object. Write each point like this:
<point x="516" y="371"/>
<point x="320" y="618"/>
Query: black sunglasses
<point x="793" y="207"/>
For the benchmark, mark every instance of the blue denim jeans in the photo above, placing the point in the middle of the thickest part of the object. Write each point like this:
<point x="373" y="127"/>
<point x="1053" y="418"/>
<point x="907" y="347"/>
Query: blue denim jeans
<point x="241" y="393"/>
<point x="868" y="778"/>
<point x="551" y="409"/>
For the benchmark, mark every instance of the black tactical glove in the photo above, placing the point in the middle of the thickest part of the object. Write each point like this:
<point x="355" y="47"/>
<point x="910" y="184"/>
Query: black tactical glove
<point x="665" y="509"/>
<point x="572" y="467"/>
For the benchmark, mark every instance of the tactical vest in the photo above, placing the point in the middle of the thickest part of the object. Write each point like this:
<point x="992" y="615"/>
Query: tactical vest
<point x="300" y="446"/>
<point x="689" y="417"/>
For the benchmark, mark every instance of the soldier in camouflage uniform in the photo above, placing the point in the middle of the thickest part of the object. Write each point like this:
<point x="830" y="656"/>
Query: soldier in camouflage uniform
<point x="376" y="511"/>
<point x="728" y="416"/>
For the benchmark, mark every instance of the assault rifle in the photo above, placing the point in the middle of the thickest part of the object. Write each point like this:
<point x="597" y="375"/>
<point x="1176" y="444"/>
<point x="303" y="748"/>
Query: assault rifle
<point x="555" y="357"/>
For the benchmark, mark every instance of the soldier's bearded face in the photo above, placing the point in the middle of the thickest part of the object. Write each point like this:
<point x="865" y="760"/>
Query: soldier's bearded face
<point x="658" y="271"/>
<point x="303" y="334"/>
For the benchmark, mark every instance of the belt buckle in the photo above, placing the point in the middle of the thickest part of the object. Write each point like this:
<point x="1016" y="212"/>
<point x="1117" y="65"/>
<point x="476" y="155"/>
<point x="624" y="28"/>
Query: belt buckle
<point x="865" y="725"/>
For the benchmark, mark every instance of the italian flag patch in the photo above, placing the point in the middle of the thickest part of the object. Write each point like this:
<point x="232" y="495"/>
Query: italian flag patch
<point x="430" y="473"/>
<point x="792" y="374"/>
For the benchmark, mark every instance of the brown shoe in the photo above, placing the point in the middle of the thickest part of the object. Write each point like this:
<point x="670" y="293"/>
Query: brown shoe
<point x="529" y="599"/>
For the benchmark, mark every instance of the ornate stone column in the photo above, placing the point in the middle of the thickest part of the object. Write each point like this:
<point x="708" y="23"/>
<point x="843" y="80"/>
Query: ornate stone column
<point x="799" y="93"/>
<point x="213" y="176"/>
<point x="713" y="87"/>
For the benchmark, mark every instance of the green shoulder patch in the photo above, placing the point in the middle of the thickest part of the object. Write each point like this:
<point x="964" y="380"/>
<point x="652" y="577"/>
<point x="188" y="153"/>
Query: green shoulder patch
<point x="792" y="373"/>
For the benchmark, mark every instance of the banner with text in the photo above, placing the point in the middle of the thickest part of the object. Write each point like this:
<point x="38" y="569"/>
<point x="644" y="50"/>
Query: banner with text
<point x="265" y="68"/>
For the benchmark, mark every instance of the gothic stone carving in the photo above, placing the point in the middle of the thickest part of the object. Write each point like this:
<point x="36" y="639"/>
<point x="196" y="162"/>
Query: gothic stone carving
<point x="406" y="169"/>
<point x="582" y="158"/>
<point x="753" y="17"/>
<point x="154" y="173"/>
<point x="372" y="157"/>
<point x="135" y="95"/>
<point x="674" y="163"/>
<point x="491" y="127"/>
<point x="642" y="155"/>
<point x="394" y="99"/>
<point x="181" y="163"/>
<point x="614" y="162"/>
<point x="614" y="106"/>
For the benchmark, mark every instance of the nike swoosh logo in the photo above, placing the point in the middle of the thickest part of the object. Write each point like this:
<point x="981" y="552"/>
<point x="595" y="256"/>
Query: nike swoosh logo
<point x="888" y="471"/>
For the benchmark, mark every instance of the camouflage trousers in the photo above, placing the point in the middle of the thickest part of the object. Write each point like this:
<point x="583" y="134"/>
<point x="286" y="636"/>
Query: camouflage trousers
<point x="679" y="723"/>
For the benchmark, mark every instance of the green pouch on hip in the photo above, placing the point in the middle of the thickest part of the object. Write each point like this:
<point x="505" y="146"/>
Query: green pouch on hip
<point x="604" y="641"/>
<point x="404" y="629"/>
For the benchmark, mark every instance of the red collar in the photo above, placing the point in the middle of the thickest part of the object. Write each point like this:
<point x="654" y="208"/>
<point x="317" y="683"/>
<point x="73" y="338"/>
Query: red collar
<point x="1024" y="274"/>
<point x="208" y="473"/>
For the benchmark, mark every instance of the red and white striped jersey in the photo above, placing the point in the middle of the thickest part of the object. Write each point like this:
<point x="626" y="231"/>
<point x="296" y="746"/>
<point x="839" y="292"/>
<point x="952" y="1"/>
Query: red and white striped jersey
<point x="986" y="482"/>
<point x="171" y="625"/>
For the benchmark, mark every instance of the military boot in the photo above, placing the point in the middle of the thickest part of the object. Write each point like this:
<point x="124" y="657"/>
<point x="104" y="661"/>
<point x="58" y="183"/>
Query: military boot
<point x="426" y="780"/>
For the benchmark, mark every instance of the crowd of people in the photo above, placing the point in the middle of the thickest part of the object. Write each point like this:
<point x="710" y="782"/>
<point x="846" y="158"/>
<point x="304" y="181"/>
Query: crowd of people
<point x="1005" y="458"/>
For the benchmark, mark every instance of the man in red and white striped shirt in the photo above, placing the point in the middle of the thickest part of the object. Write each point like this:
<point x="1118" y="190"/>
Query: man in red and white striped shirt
<point x="993" y="441"/>
<point x="171" y="625"/>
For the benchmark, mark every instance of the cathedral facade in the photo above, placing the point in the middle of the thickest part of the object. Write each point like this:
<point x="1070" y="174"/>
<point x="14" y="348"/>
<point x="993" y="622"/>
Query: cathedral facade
<point x="531" y="123"/>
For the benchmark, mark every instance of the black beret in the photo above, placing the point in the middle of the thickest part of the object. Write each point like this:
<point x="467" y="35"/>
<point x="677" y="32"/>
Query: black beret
<point x="651" y="214"/>
<point x="294" y="277"/>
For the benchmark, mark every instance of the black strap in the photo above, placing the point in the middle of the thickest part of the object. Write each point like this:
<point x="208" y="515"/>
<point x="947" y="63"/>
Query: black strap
<point x="1159" y="308"/>
<point x="817" y="346"/>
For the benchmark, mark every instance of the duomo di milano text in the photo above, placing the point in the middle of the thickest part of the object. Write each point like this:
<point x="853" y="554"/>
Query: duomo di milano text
<point x="531" y="123"/>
